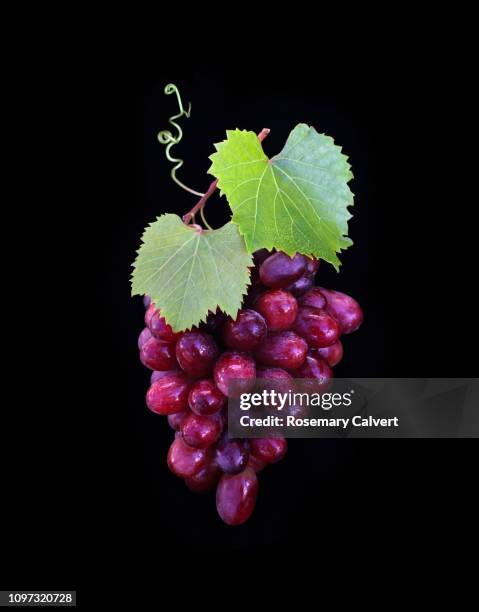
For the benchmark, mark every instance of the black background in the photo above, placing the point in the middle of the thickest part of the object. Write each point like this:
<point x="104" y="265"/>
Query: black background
<point x="90" y="499"/>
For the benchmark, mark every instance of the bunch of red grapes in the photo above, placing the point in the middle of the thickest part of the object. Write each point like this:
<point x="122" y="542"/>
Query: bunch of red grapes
<point x="287" y="328"/>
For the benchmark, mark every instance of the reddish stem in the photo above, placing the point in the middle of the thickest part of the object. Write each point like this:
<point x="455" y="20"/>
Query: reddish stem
<point x="212" y="188"/>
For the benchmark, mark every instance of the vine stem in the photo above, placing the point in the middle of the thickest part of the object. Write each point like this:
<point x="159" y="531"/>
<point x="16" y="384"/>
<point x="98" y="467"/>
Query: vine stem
<point x="212" y="188"/>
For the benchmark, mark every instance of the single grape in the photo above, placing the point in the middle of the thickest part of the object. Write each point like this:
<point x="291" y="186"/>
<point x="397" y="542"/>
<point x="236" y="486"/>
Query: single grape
<point x="236" y="367"/>
<point x="169" y="394"/>
<point x="232" y="454"/>
<point x="158" y="355"/>
<point x="146" y="301"/>
<point x="205" y="398"/>
<point x="301" y="286"/>
<point x="236" y="496"/>
<point x="175" y="419"/>
<point x="278" y="307"/>
<point x="206" y="479"/>
<point x="158" y="326"/>
<point x="269" y="450"/>
<point x="312" y="265"/>
<point x="245" y="332"/>
<point x="280" y="270"/>
<point x="143" y="337"/>
<point x="275" y="379"/>
<point x="282" y="350"/>
<point x="185" y="461"/>
<point x="157" y="374"/>
<point x="313" y="298"/>
<point x="317" y="327"/>
<point x="344" y="309"/>
<point x="196" y="353"/>
<point x="256" y="464"/>
<point x="332" y="354"/>
<point x="317" y="369"/>
<point x="201" y="431"/>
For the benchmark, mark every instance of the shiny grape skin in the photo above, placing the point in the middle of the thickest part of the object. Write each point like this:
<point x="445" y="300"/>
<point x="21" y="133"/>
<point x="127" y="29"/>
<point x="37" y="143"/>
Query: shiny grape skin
<point x="246" y="332"/>
<point x="196" y="353"/>
<point x="157" y="374"/>
<point x="158" y="355"/>
<point x="301" y="286"/>
<point x="143" y="337"/>
<point x="205" y="398"/>
<point x="275" y="378"/>
<point x="344" y="309"/>
<point x="201" y="431"/>
<point x="313" y="298"/>
<point x="169" y="394"/>
<point x="232" y="454"/>
<point x="284" y="350"/>
<point x="158" y="326"/>
<point x="238" y="367"/>
<point x="317" y="370"/>
<point x="206" y="479"/>
<point x="279" y="309"/>
<point x="332" y="354"/>
<point x="236" y="496"/>
<point x="175" y="419"/>
<point x="269" y="450"/>
<point x="317" y="327"/>
<point x="185" y="461"/>
<point x="280" y="270"/>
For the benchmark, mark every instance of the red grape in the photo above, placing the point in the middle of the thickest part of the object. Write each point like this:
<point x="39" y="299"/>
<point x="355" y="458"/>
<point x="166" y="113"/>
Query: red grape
<point x="275" y="378"/>
<point x="205" y="398"/>
<point x="256" y="464"/>
<point x="344" y="309"/>
<point x="278" y="307"/>
<point x="201" y="431"/>
<point x="301" y="286"/>
<point x="143" y="337"/>
<point x="206" y="479"/>
<point x="282" y="350"/>
<point x="185" y="461"/>
<point x="196" y="352"/>
<point x="157" y="374"/>
<point x="269" y="450"/>
<point x="158" y="326"/>
<point x="316" y="326"/>
<point x="232" y="454"/>
<point x="313" y="298"/>
<point x="175" y="419"/>
<point x="316" y="369"/>
<point x="246" y="332"/>
<point x="236" y="367"/>
<point x="169" y="394"/>
<point x="332" y="354"/>
<point x="158" y="355"/>
<point x="236" y="496"/>
<point x="280" y="270"/>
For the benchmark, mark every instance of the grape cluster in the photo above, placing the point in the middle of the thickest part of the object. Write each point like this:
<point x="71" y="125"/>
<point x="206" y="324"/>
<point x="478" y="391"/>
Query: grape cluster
<point x="288" y="328"/>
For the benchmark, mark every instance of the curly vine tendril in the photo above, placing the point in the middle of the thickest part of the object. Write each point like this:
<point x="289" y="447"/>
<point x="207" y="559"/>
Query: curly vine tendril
<point x="166" y="137"/>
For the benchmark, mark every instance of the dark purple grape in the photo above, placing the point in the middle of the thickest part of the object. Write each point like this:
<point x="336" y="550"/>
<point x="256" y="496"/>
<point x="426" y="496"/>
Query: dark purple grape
<point x="269" y="450"/>
<point x="143" y="337"/>
<point x="301" y="286"/>
<point x="332" y="354"/>
<point x="185" y="461"/>
<point x="232" y="454"/>
<point x="313" y="298"/>
<point x="206" y="479"/>
<point x="169" y="394"/>
<point x="196" y="353"/>
<point x="237" y="367"/>
<point x="317" y="327"/>
<point x="280" y="270"/>
<point x="201" y="431"/>
<point x="205" y="398"/>
<point x="260" y="255"/>
<point x="316" y="369"/>
<point x="312" y="265"/>
<point x="158" y="326"/>
<point x="158" y="355"/>
<point x="246" y="332"/>
<point x="282" y="350"/>
<point x="279" y="309"/>
<point x="344" y="309"/>
<point x="236" y="496"/>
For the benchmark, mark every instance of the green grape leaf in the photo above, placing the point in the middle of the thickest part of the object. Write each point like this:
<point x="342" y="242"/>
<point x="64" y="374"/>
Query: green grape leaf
<point x="187" y="272"/>
<point x="296" y="201"/>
